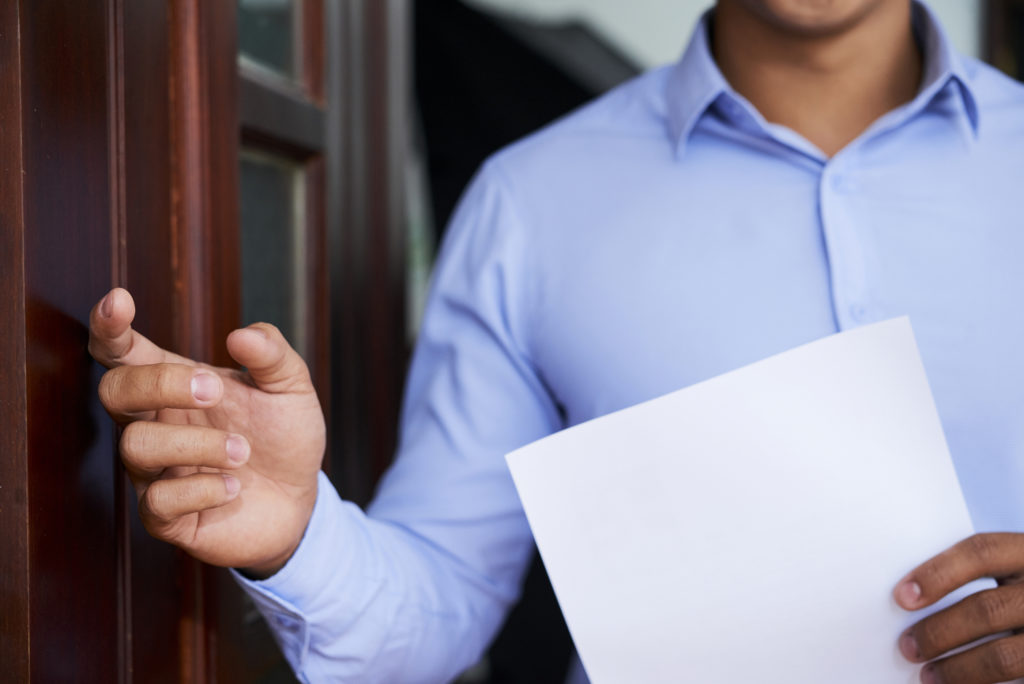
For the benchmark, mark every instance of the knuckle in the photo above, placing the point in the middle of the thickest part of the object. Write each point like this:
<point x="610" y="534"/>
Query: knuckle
<point x="189" y="492"/>
<point x="170" y="499"/>
<point x="934" y="575"/>
<point x="982" y="546"/>
<point x="182" y="443"/>
<point x="1006" y="658"/>
<point x="157" y="501"/>
<point x="183" y="448"/>
<point x="163" y="379"/>
<point x="930" y="637"/>
<point x="133" y="444"/>
<point x="109" y="387"/>
<point x="990" y="607"/>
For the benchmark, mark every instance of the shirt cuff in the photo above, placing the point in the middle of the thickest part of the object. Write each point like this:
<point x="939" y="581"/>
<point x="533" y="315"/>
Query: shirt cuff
<point x="291" y="598"/>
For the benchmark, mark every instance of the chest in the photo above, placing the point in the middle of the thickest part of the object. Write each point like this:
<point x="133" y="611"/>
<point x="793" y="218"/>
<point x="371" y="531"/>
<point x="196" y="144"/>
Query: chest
<point x="688" y="281"/>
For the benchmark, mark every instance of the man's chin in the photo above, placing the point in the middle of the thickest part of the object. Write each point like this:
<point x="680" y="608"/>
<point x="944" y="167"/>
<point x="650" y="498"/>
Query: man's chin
<point x="812" y="18"/>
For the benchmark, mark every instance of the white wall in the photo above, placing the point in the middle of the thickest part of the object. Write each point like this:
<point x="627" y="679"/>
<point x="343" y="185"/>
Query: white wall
<point x="962" y="21"/>
<point x="654" y="32"/>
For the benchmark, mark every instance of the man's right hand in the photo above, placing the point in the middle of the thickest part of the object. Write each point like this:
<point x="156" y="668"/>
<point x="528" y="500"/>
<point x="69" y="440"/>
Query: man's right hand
<point x="224" y="462"/>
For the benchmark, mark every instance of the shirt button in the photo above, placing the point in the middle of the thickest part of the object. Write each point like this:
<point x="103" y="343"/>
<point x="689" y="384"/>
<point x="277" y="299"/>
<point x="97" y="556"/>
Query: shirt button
<point x="288" y="624"/>
<point x="858" y="312"/>
<point x="843" y="184"/>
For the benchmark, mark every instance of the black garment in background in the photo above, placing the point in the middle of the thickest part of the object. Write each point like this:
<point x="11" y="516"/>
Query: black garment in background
<point x="482" y="82"/>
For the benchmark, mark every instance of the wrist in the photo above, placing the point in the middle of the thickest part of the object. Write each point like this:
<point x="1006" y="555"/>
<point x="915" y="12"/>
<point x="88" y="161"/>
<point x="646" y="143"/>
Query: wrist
<point x="269" y="568"/>
<point x="271" y="565"/>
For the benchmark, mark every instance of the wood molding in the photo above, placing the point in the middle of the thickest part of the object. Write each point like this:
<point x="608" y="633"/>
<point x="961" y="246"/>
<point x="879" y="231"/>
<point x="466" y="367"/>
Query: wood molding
<point x="118" y="241"/>
<point x="66" y="220"/>
<point x="313" y="46"/>
<point x="369" y="85"/>
<point x="14" y="503"/>
<point x="204" y="239"/>
<point x="157" y="588"/>
<point x="388" y="87"/>
<point x="280" y="118"/>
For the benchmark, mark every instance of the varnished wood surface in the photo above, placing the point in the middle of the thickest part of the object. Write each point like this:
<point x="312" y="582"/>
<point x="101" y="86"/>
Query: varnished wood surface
<point x="383" y="294"/>
<point x="119" y="136"/>
<point x="314" y="49"/>
<point x="154" y="588"/>
<point x="67" y="255"/>
<point x="369" y="349"/>
<point x="14" y="533"/>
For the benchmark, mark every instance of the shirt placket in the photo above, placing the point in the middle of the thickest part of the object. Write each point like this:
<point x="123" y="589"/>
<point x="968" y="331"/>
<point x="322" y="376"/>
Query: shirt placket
<point x="845" y="246"/>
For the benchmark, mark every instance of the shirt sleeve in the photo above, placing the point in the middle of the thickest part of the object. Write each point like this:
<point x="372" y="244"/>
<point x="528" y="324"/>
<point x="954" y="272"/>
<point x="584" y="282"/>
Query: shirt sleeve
<point x="414" y="589"/>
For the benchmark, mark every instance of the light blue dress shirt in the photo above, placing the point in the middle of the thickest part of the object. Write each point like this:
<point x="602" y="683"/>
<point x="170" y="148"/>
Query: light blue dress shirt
<point x="660" y="236"/>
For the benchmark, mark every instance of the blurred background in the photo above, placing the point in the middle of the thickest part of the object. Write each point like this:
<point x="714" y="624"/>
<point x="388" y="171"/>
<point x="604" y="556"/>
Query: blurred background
<point x="237" y="160"/>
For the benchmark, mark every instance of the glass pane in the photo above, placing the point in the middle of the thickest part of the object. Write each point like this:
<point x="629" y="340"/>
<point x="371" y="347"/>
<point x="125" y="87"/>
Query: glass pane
<point x="272" y="192"/>
<point x="266" y="34"/>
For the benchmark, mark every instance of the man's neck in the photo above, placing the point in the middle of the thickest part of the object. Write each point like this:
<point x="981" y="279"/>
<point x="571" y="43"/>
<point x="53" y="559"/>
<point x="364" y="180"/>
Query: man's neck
<point x="828" y="88"/>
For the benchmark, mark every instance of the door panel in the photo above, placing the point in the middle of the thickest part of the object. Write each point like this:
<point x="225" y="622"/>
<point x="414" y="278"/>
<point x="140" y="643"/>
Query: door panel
<point x="14" y="505"/>
<point x="157" y="590"/>
<point x="72" y="509"/>
<point x="120" y="132"/>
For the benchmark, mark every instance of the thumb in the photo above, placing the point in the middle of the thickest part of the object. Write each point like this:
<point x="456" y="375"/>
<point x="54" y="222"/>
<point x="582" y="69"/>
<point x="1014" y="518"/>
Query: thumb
<point x="112" y="340"/>
<point x="273" y="365"/>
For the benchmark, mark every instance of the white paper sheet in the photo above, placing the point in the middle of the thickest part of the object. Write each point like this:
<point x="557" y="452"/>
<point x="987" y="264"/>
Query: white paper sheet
<point x="751" y="528"/>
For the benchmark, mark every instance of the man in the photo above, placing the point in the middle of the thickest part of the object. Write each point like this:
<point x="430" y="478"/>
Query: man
<point x="808" y="166"/>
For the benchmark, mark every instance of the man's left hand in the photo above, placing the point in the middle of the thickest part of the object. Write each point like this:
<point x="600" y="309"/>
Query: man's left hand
<point x="986" y="613"/>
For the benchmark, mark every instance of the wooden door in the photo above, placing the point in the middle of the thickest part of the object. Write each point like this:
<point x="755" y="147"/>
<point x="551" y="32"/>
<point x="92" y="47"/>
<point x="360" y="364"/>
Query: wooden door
<point x="124" y="125"/>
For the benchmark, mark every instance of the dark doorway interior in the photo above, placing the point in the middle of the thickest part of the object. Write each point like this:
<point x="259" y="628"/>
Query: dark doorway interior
<point x="483" y="81"/>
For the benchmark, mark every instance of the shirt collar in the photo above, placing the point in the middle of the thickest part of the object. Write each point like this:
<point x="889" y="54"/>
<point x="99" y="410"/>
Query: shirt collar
<point x="944" y="68"/>
<point x="695" y="82"/>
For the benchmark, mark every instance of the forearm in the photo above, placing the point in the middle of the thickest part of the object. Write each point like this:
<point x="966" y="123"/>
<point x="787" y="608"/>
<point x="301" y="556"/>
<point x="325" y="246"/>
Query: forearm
<point x="415" y="590"/>
<point x="367" y="600"/>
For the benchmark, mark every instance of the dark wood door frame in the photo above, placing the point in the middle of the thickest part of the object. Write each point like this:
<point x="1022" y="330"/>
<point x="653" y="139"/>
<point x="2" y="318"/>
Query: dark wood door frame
<point x="368" y="323"/>
<point x="119" y="136"/>
<point x="59" y="552"/>
<point x="14" y="504"/>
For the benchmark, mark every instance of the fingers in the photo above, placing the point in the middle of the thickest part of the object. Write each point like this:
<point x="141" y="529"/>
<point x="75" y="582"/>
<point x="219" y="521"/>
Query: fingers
<point x="129" y="392"/>
<point x="148" y="448"/>
<point x="273" y="364"/>
<point x="979" y="615"/>
<point x="983" y="614"/>
<point x="113" y="342"/>
<point x="996" y="555"/>
<point x="995" y="661"/>
<point x="164" y="501"/>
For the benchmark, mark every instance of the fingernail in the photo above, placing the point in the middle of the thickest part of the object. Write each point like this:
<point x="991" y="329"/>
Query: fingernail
<point x="929" y="675"/>
<point x="238" y="449"/>
<point x="204" y="387"/>
<point x="908" y="647"/>
<point x="232" y="485"/>
<point x="107" y="306"/>
<point x="908" y="594"/>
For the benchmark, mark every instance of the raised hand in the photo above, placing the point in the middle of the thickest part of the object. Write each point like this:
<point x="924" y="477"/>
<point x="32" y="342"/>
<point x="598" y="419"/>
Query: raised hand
<point x="224" y="462"/>
<point x="998" y="611"/>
